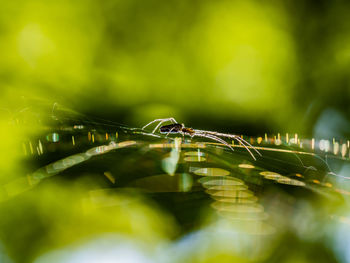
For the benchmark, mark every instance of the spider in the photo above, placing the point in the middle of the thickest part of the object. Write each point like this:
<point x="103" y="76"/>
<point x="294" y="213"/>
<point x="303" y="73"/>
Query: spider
<point x="177" y="128"/>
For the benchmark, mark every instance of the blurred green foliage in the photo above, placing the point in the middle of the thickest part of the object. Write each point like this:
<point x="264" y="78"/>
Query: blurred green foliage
<point x="240" y="66"/>
<point x="274" y="65"/>
<point x="245" y="66"/>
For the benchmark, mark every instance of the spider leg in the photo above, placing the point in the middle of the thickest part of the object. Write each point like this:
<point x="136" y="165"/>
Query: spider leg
<point x="159" y="124"/>
<point x="150" y="123"/>
<point x="170" y="131"/>
<point x="237" y="138"/>
<point x="162" y="121"/>
<point x="244" y="142"/>
<point x="213" y="138"/>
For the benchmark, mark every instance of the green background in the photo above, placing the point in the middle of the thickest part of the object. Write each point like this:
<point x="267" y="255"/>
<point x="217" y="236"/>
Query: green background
<point x="246" y="66"/>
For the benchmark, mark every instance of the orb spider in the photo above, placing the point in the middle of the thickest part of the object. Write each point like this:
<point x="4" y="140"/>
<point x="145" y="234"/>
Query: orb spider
<point x="177" y="128"/>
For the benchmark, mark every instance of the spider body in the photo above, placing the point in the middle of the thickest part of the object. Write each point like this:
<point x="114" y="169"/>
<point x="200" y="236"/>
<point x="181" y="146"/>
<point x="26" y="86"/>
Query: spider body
<point x="177" y="128"/>
<point x="171" y="128"/>
<point x="190" y="131"/>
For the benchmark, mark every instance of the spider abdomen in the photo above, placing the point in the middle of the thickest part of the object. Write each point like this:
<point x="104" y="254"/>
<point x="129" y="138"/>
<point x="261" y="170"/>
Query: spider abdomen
<point x="171" y="128"/>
